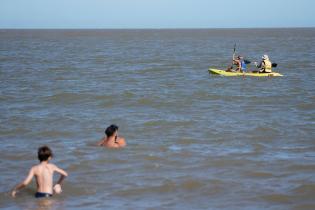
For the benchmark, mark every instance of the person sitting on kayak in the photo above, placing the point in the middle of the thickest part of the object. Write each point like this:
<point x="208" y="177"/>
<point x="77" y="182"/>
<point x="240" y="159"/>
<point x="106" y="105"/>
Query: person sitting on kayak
<point x="241" y="66"/>
<point x="265" y="66"/>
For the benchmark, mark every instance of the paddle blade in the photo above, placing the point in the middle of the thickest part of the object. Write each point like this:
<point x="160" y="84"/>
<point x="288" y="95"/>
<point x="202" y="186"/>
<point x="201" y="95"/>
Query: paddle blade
<point x="247" y="61"/>
<point x="274" y="65"/>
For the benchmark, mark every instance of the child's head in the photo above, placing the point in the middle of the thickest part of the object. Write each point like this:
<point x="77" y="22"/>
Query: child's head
<point x="111" y="130"/>
<point x="44" y="153"/>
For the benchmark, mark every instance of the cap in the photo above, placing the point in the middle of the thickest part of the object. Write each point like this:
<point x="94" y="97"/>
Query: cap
<point x="265" y="57"/>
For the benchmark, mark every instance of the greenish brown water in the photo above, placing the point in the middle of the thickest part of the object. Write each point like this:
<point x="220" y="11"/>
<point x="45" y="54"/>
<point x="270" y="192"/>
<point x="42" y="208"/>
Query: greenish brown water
<point x="195" y="141"/>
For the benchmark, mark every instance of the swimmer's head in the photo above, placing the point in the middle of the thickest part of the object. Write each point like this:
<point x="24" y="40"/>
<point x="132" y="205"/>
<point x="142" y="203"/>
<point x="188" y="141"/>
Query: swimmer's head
<point x="44" y="153"/>
<point x="111" y="130"/>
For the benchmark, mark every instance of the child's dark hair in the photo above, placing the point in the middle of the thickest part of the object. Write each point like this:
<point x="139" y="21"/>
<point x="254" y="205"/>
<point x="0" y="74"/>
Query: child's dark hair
<point x="111" y="130"/>
<point x="44" y="153"/>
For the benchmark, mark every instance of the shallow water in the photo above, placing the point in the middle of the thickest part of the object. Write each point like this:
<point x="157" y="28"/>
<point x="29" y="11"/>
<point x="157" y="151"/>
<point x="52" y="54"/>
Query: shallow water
<point x="195" y="141"/>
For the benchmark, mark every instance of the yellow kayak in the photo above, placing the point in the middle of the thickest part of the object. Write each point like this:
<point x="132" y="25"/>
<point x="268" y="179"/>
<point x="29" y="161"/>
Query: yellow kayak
<point x="225" y="73"/>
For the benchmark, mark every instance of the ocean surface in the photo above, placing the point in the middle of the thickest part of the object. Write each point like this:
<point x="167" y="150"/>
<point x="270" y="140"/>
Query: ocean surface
<point x="195" y="140"/>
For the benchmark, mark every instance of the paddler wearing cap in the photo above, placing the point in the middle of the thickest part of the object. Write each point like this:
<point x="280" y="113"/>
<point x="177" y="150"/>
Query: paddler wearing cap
<point x="265" y="65"/>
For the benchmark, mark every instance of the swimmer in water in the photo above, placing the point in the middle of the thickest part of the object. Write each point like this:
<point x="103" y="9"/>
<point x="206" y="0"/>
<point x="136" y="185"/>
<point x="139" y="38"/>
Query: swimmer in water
<point x="112" y="140"/>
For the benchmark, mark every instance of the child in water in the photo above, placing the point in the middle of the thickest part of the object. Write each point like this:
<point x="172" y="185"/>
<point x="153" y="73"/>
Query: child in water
<point x="43" y="173"/>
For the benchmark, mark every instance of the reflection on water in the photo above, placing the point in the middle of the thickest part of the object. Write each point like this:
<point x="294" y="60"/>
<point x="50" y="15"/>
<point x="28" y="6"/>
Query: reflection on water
<point x="42" y="204"/>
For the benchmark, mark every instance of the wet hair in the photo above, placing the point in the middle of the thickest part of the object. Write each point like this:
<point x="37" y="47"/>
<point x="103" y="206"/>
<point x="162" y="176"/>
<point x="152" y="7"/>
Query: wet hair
<point x="44" y="153"/>
<point x="111" y="130"/>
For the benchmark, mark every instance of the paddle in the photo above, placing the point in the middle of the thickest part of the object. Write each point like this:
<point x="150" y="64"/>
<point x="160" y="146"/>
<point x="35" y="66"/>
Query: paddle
<point x="234" y="54"/>
<point x="247" y="61"/>
<point x="230" y="68"/>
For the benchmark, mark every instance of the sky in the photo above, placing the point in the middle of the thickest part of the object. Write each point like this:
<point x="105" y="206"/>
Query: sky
<point x="156" y="13"/>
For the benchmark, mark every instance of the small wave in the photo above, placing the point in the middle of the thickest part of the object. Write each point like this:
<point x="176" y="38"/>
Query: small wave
<point x="258" y="174"/>
<point x="152" y="70"/>
<point x="4" y="59"/>
<point x="61" y="68"/>
<point x="54" y="134"/>
<point x="84" y="189"/>
<point x="258" y="148"/>
<point x="223" y="163"/>
<point x="190" y="185"/>
<point x="67" y="98"/>
<point x="202" y="95"/>
<point x="225" y="98"/>
<point x="155" y="123"/>
<point x="166" y="187"/>
<point x="304" y="207"/>
<point x="302" y="168"/>
<point x="107" y="104"/>
<point x="265" y="130"/>
<point x="306" y="106"/>
<point x="16" y="156"/>
<point x="186" y="141"/>
<point x="157" y="102"/>
<point x="277" y="198"/>
<point x="99" y="59"/>
<point x="152" y="158"/>
<point x="175" y="148"/>
<point x="305" y="189"/>
<point x="6" y="97"/>
<point x="14" y="131"/>
<point x="128" y="94"/>
<point x="145" y="101"/>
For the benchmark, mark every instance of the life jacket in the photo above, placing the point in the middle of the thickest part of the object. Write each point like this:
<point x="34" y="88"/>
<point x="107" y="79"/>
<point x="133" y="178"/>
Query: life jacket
<point x="267" y="66"/>
<point x="243" y="65"/>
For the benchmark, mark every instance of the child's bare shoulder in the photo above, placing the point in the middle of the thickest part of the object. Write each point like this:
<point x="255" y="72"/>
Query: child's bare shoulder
<point x="53" y="166"/>
<point x="35" y="169"/>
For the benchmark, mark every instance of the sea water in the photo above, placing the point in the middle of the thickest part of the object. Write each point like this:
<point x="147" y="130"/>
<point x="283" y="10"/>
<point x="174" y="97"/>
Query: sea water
<point x="195" y="140"/>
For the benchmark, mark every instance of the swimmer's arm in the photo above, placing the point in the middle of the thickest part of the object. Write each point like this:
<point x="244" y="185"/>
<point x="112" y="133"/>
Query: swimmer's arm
<point x="121" y="142"/>
<point x="62" y="173"/>
<point x="101" y="143"/>
<point x="24" y="183"/>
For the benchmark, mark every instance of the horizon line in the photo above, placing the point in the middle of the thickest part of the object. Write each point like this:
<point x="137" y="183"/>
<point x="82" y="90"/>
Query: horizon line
<point x="164" y="28"/>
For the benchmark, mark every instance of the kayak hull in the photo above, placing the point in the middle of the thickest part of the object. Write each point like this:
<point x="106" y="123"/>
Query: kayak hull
<point x="251" y="74"/>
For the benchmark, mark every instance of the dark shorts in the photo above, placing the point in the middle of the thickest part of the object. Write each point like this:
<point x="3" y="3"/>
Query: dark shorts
<point x="42" y="195"/>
